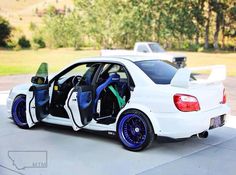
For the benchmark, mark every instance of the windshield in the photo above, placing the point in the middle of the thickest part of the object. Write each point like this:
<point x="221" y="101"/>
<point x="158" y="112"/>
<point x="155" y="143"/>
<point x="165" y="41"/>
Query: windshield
<point x="155" y="47"/>
<point x="160" y="72"/>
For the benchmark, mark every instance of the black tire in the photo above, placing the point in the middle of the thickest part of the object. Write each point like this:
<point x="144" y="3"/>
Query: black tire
<point x="135" y="130"/>
<point x="19" y="112"/>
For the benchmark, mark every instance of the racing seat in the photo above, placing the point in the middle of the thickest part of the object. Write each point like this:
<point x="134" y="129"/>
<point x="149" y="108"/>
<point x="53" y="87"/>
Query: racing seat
<point x="113" y="78"/>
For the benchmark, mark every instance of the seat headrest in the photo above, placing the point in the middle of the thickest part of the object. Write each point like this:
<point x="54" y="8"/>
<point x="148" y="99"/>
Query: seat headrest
<point x="114" y="77"/>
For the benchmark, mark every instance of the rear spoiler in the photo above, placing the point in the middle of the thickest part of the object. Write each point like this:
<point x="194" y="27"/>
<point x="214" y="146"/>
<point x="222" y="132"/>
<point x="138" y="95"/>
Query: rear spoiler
<point x="183" y="75"/>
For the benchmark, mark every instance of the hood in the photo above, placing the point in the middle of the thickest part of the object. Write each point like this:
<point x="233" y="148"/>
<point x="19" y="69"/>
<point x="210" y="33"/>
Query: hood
<point x="20" y="89"/>
<point x="22" y="86"/>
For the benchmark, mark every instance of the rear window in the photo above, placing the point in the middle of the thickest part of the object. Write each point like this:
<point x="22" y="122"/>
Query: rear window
<point x="160" y="72"/>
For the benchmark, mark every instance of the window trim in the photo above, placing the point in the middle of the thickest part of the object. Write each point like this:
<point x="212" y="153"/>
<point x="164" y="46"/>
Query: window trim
<point x="131" y="83"/>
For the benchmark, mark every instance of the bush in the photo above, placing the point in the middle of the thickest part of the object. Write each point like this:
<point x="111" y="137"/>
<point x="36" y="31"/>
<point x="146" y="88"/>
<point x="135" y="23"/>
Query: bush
<point x="11" y="43"/>
<point x="5" y="31"/>
<point x="17" y="48"/>
<point x="23" y="42"/>
<point x="39" y="42"/>
<point x="193" y="47"/>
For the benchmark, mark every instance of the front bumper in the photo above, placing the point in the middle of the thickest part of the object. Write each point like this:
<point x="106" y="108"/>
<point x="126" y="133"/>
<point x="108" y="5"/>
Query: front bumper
<point x="9" y="106"/>
<point x="180" y="62"/>
<point x="186" y="124"/>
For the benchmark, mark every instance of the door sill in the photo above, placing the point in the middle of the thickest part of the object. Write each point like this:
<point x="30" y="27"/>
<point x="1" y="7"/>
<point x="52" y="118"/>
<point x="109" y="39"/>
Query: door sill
<point x="57" y="120"/>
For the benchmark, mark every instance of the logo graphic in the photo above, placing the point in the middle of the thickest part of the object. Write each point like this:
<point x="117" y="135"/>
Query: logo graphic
<point x="28" y="159"/>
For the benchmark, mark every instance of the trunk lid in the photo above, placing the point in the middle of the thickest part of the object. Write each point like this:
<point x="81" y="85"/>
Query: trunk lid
<point x="208" y="91"/>
<point x="209" y="95"/>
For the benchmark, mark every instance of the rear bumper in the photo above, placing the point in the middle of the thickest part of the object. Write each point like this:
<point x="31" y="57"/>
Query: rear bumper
<point x="186" y="124"/>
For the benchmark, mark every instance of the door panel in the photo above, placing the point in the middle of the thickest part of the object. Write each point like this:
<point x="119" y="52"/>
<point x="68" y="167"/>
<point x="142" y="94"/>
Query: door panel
<point x="38" y="100"/>
<point x="72" y="110"/>
<point x="38" y="96"/>
<point x="79" y="104"/>
<point x="85" y="99"/>
<point x="41" y="102"/>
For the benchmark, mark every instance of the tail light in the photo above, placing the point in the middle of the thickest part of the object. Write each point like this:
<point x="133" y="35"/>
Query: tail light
<point x="186" y="103"/>
<point x="224" y="97"/>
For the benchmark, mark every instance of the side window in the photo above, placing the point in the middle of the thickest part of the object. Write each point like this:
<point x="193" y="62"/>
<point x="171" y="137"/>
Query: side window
<point x="78" y="70"/>
<point x="115" y="68"/>
<point x="108" y="69"/>
<point x="142" y="48"/>
<point x="87" y="78"/>
<point x="119" y="70"/>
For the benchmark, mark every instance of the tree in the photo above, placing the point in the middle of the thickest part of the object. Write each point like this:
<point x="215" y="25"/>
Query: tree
<point x="121" y="23"/>
<point x="219" y="8"/>
<point x="229" y="25"/>
<point x="199" y="19"/>
<point x="207" y="25"/>
<point x="5" y="31"/>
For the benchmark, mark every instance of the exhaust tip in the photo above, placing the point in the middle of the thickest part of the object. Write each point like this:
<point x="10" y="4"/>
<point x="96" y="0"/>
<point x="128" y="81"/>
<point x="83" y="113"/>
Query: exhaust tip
<point x="202" y="135"/>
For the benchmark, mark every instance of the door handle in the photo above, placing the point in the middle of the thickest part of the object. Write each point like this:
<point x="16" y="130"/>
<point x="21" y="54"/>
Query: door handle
<point x="74" y="99"/>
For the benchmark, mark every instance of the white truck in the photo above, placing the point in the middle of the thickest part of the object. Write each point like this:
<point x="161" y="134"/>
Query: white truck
<point x="152" y="49"/>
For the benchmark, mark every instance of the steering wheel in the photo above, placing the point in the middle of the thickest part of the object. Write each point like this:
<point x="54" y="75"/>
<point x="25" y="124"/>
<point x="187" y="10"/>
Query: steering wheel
<point x="76" y="79"/>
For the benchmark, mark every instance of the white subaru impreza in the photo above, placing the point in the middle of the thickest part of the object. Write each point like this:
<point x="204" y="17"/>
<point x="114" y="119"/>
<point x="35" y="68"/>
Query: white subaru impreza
<point x="135" y="98"/>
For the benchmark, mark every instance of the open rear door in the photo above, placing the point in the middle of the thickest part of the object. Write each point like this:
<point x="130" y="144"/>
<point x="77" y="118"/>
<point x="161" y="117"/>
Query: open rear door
<point x="80" y="102"/>
<point x="38" y="97"/>
<point x="79" y="106"/>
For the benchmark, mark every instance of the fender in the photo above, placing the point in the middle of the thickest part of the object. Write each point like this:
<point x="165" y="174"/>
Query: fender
<point x="146" y="110"/>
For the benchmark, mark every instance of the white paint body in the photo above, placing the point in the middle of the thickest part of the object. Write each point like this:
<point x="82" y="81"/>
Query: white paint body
<point x="168" y="56"/>
<point x="156" y="101"/>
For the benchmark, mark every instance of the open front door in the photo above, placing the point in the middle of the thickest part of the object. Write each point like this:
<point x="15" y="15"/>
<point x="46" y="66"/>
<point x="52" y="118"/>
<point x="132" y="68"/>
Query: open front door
<point x="38" y="97"/>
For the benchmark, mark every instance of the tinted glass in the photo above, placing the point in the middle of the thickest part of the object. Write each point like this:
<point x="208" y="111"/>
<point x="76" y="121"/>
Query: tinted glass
<point x="42" y="70"/>
<point x="156" y="48"/>
<point x="88" y="76"/>
<point x="161" y="72"/>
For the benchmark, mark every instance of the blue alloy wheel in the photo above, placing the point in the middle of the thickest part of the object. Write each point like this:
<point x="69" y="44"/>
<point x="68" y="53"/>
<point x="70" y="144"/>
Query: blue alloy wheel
<point x="19" y="111"/>
<point x="135" y="131"/>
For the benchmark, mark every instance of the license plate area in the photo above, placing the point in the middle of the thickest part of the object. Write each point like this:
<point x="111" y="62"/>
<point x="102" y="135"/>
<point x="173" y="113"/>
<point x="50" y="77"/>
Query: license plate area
<point x="217" y="122"/>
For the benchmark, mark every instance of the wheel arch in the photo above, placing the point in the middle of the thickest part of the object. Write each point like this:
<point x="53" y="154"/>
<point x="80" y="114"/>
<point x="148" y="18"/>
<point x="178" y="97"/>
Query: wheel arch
<point x="14" y="114"/>
<point x="145" y="110"/>
<point x="15" y="97"/>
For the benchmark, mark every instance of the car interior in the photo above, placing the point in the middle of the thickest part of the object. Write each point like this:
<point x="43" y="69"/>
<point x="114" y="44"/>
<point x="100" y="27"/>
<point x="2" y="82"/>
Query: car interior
<point x="111" y="90"/>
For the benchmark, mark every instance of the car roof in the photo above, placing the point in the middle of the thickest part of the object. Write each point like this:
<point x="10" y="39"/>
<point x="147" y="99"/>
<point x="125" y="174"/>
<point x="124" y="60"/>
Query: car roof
<point x="132" y="58"/>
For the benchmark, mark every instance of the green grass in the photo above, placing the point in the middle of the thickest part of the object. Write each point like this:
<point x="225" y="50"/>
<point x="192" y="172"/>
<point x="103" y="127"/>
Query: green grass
<point x="205" y="59"/>
<point x="27" y="61"/>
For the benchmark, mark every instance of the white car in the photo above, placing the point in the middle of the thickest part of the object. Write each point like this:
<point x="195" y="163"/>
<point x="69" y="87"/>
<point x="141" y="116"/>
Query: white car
<point x="135" y="98"/>
<point x="149" y="49"/>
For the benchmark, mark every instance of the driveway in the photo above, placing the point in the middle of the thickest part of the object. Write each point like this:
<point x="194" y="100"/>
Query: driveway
<point x="70" y="152"/>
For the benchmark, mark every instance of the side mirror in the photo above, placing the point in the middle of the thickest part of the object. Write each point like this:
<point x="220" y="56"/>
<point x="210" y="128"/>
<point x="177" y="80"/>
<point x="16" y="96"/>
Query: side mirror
<point x="37" y="80"/>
